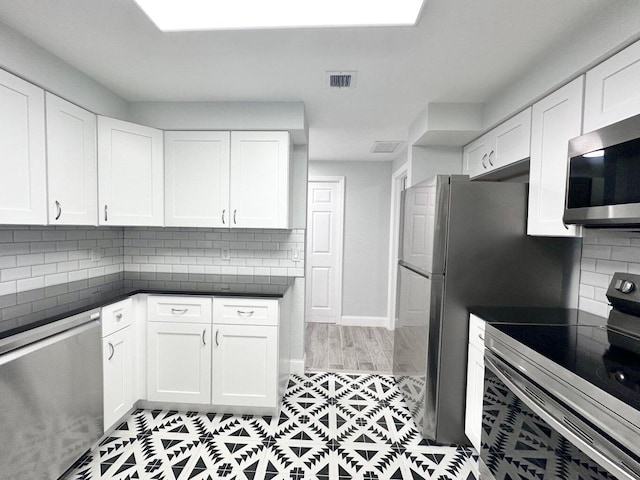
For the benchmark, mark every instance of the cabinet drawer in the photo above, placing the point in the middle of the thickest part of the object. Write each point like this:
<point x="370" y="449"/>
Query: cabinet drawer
<point x="179" y="309"/>
<point x="117" y="316"/>
<point x="476" y="332"/>
<point x="245" y="311"/>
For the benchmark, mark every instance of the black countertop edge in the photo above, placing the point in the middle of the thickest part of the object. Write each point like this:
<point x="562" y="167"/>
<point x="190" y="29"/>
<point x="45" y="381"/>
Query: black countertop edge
<point x="536" y="315"/>
<point x="23" y="311"/>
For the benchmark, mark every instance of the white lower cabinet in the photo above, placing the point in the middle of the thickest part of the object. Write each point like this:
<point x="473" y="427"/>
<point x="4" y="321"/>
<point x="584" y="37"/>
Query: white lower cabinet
<point x="179" y="362"/>
<point x="475" y="382"/>
<point x="245" y="365"/>
<point x="118" y="375"/>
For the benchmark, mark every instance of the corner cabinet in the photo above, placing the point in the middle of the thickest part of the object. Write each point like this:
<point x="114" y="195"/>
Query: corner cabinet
<point x="260" y="180"/>
<point x="612" y="91"/>
<point x="556" y="119"/>
<point x="130" y="172"/>
<point x="72" y="164"/>
<point x="475" y="382"/>
<point x="22" y="150"/>
<point x="507" y="143"/>
<point x="197" y="179"/>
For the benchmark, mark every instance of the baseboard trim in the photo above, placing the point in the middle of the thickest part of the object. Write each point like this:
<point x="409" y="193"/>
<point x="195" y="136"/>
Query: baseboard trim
<point x="359" y="321"/>
<point x="296" y="366"/>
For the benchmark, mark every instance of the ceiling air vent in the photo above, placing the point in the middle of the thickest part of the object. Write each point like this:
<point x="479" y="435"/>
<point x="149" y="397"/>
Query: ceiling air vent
<point x="385" y="147"/>
<point x="341" y="80"/>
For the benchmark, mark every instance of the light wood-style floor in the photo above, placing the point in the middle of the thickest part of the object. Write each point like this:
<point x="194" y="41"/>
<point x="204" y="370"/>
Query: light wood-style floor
<point x="333" y="348"/>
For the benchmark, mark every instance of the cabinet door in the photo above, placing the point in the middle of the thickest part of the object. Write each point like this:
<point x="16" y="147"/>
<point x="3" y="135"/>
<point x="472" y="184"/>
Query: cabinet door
<point x="178" y="362"/>
<point x="475" y="156"/>
<point x="612" y="91"/>
<point x="475" y="392"/>
<point x="22" y="150"/>
<point x="512" y="140"/>
<point x="245" y="365"/>
<point x="197" y="179"/>
<point x="72" y="164"/>
<point x="259" y="196"/>
<point x="130" y="172"/>
<point x="118" y="375"/>
<point x="556" y="119"/>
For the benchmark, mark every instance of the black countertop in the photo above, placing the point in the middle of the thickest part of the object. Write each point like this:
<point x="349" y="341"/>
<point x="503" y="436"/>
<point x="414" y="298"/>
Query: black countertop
<point x="577" y="341"/>
<point x="23" y="311"/>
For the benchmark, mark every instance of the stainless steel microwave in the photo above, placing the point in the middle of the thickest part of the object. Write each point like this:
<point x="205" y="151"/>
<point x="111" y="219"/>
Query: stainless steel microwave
<point x="603" y="181"/>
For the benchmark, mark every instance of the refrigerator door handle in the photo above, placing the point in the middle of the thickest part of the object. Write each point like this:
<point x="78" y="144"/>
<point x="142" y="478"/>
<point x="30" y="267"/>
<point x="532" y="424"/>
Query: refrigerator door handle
<point x="414" y="269"/>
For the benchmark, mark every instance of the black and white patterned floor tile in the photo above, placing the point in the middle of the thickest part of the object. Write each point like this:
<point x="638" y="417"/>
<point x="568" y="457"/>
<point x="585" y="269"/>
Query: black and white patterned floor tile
<point x="331" y="426"/>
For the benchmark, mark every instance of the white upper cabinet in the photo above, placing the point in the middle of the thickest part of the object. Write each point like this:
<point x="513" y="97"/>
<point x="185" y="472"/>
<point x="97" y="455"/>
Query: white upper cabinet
<point x="22" y="152"/>
<point x="556" y="119"/>
<point x="508" y="143"/>
<point x="512" y="140"/>
<point x="197" y="179"/>
<point x="130" y="172"/>
<point x="612" y="91"/>
<point x="260" y="180"/>
<point x="72" y="164"/>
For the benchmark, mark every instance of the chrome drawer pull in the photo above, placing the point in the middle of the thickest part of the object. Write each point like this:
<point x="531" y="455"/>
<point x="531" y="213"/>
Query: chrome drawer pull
<point x="118" y="316"/>
<point x="481" y="337"/>
<point x="113" y="351"/>
<point x="245" y="314"/>
<point x="179" y="310"/>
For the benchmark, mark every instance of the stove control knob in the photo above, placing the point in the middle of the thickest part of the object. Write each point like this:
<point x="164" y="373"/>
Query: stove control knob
<point x="627" y="286"/>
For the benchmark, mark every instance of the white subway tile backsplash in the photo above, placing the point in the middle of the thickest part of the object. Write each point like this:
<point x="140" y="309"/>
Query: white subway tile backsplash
<point x="47" y="256"/>
<point x="604" y="253"/>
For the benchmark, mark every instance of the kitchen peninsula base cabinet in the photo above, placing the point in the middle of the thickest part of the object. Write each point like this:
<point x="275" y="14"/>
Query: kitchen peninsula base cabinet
<point x="228" y="355"/>
<point x="475" y="382"/>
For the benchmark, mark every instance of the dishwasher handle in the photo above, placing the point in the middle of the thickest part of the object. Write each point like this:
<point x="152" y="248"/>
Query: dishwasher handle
<point x="44" y="343"/>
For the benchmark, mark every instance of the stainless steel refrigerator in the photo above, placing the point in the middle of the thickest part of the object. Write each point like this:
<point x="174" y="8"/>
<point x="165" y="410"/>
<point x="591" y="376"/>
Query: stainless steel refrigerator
<point x="464" y="243"/>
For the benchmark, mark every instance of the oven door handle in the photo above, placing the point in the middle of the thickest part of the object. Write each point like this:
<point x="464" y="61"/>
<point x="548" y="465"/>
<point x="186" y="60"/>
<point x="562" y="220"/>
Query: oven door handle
<point x="564" y="422"/>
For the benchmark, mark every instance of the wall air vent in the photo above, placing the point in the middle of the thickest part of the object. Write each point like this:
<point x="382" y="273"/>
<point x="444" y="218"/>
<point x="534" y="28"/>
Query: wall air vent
<point x="385" y="147"/>
<point x="341" y="80"/>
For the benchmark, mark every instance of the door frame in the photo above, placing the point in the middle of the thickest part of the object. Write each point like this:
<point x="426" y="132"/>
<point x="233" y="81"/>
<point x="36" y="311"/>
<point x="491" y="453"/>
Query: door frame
<point x="394" y="244"/>
<point x="340" y="180"/>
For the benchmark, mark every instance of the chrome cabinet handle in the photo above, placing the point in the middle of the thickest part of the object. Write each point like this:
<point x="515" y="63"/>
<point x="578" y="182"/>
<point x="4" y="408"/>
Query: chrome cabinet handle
<point x="204" y="342"/>
<point x="179" y="310"/>
<point x="217" y="332"/>
<point x="234" y="217"/>
<point x="119" y="316"/>
<point x="113" y="351"/>
<point x="223" y="212"/>
<point x="59" y="207"/>
<point x="106" y="217"/>
<point x="490" y="157"/>
<point x="481" y="337"/>
<point x="245" y="314"/>
<point x="484" y="159"/>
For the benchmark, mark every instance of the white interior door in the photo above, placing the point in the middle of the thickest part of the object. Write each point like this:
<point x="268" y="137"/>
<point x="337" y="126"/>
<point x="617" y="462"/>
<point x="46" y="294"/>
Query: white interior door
<point x="324" y="249"/>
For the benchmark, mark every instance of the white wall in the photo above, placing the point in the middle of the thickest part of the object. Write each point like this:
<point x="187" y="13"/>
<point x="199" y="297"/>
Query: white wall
<point x="366" y="234"/>
<point x="592" y="43"/>
<point x="26" y="59"/>
<point x="428" y="161"/>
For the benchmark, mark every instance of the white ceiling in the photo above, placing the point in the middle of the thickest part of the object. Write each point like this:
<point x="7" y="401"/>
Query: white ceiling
<point x="461" y="51"/>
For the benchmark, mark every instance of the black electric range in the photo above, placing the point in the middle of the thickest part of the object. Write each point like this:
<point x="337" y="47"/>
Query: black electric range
<point x="562" y="390"/>
<point x="584" y="344"/>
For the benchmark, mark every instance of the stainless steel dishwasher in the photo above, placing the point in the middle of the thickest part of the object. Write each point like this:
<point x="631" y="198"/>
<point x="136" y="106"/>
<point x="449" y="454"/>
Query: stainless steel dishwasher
<point x="50" y="397"/>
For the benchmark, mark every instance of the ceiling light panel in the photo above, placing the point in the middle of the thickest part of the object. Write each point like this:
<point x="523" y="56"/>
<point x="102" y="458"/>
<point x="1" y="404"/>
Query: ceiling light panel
<point x="186" y="15"/>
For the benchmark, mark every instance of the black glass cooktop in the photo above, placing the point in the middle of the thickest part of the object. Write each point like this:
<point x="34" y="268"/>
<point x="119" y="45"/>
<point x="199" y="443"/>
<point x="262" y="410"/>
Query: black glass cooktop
<point x="600" y="355"/>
